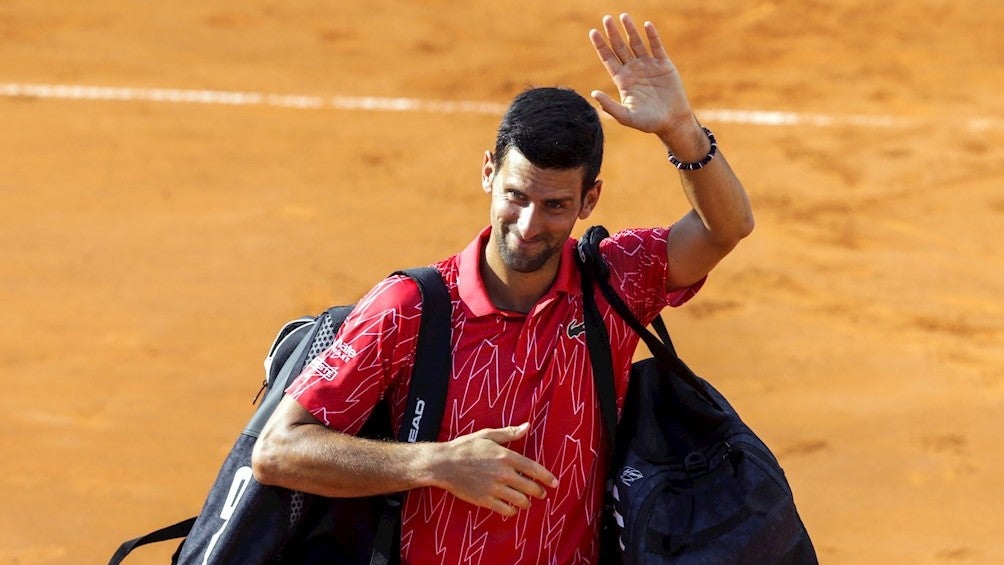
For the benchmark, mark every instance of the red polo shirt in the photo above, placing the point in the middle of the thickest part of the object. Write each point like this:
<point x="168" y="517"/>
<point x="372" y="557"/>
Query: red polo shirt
<point x="507" y="368"/>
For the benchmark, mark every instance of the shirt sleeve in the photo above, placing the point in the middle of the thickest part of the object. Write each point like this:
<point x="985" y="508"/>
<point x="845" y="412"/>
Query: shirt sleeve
<point x="638" y="271"/>
<point x="372" y="350"/>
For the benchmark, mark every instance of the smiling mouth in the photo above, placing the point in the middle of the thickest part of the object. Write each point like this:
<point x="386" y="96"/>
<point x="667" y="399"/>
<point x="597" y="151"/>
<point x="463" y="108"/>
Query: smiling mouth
<point x="528" y="247"/>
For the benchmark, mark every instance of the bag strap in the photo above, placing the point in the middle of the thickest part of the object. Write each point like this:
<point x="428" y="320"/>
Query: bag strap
<point x="430" y="375"/>
<point x="598" y="342"/>
<point x="594" y="267"/>
<point x="426" y="396"/>
<point x="174" y="531"/>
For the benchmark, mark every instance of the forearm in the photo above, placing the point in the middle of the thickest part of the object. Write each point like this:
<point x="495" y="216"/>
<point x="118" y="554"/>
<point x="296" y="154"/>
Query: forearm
<point x="298" y="452"/>
<point x="312" y="458"/>
<point x="714" y="191"/>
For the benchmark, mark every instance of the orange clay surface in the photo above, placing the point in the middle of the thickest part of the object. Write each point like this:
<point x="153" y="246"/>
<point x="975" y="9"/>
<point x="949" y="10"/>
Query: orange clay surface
<point x="149" y="250"/>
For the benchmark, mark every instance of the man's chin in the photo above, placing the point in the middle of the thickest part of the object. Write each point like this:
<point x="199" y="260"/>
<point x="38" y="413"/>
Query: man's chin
<point x="524" y="263"/>
<point x="525" y="258"/>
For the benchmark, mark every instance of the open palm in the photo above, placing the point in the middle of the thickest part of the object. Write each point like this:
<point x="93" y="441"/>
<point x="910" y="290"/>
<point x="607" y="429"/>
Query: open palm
<point x="652" y="98"/>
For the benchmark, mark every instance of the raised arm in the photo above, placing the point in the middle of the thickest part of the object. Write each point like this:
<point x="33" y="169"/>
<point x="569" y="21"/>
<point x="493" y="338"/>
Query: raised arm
<point x="652" y="100"/>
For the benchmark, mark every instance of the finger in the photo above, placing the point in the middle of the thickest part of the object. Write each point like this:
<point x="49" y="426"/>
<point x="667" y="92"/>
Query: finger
<point x="609" y="105"/>
<point x="519" y="431"/>
<point x="504" y="435"/>
<point x="534" y="471"/>
<point x="527" y="487"/>
<point x="658" y="51"/>
<point x="634" y="38"/>
<point x="502" y="507"/>
<point x="620" y="48"/>
<point x="514" y="497"/>
<point x="603" y="51"/>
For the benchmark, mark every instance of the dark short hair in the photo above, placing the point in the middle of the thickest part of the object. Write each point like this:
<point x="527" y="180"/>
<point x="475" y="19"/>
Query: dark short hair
<point x="554" y="128"/>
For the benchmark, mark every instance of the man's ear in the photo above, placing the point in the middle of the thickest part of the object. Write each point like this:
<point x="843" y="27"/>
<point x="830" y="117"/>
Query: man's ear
<point x="487" y="172"/>
<point x="590" y="199"/>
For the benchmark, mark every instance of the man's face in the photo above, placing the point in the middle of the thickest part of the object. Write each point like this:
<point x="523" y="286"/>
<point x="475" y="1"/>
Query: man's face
<point x="533" y="211"/>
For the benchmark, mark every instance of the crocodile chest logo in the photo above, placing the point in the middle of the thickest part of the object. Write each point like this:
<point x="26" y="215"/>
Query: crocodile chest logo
<point x="575" y="329"/>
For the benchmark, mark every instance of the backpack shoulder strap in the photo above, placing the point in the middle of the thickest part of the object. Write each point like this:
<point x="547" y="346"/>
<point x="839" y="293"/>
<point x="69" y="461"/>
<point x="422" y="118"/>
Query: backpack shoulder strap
<point x="426" y="395"/>
<point x="430" y="375"/>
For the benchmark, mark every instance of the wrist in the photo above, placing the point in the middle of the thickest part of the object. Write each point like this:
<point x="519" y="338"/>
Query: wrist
<point x="693" y="165"/>
<point x="426" y="465"/>
<point x="685" y="138"/>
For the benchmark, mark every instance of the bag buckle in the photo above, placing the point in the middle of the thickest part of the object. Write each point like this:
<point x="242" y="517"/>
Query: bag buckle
<point x="695" y="462"/>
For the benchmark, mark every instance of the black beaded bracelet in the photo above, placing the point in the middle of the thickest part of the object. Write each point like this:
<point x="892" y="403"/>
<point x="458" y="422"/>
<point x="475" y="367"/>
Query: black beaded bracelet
<point x="697" y="164"/>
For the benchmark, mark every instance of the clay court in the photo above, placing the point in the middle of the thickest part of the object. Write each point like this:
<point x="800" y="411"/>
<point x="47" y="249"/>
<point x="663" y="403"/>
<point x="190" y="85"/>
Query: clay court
<point x="247" y="163"/>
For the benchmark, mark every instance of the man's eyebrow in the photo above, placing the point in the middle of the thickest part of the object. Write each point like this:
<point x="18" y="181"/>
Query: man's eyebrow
<point x="561" y="200"/>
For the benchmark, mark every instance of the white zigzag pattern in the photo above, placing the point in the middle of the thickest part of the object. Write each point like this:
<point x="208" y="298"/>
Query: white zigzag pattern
<point x="504" y="371"/>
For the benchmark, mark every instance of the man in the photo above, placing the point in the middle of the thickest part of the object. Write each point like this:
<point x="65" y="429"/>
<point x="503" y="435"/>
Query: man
<point x="518" y="473"/>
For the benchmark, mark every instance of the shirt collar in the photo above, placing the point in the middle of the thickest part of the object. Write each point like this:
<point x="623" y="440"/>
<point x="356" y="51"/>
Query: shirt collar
<point x="472" y="288"/>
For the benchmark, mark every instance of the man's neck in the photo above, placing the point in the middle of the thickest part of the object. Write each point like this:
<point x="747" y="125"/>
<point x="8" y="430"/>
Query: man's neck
<point x="512" y="290"/>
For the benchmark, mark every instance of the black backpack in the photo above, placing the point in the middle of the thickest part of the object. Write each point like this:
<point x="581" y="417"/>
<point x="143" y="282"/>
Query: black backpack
<point x="245" y="522"/>
<point x="690" y="482"/>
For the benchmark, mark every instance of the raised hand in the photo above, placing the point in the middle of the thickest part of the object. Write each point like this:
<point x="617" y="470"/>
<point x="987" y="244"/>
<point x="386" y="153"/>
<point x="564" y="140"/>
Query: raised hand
<point x="652" y="98"/>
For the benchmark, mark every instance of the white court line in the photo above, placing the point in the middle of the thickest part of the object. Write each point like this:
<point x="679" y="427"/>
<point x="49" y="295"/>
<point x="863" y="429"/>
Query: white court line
<point x="373" y="103"/>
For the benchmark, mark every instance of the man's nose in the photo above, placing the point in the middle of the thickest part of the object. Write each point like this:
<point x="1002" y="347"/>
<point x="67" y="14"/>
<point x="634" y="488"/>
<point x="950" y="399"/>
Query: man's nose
<point x="529" y="224"/>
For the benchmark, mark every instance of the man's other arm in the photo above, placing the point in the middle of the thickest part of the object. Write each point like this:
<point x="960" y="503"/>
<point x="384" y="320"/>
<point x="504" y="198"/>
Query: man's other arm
<point x="653" y="100"/>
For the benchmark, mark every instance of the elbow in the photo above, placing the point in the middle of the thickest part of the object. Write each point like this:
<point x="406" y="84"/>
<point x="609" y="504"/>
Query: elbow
<point x="745" y="227"/>
<point x="266" y="461"/>
<point x="742" y="227"/>
<point x="728" y="239"/>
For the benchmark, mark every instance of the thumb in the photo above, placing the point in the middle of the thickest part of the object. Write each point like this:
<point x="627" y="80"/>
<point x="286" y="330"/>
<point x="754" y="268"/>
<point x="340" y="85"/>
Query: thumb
<point x="508" y="433"/>
<point x="609" y="105"/>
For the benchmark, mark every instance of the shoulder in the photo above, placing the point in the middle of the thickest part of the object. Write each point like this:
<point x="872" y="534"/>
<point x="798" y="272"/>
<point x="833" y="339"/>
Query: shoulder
<point x="400" y="294"/>
<point x="639" y="271"/>
<point x="396" y="292"/>
<point x="384" y="311"/>
<point x="636" y="247"/>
